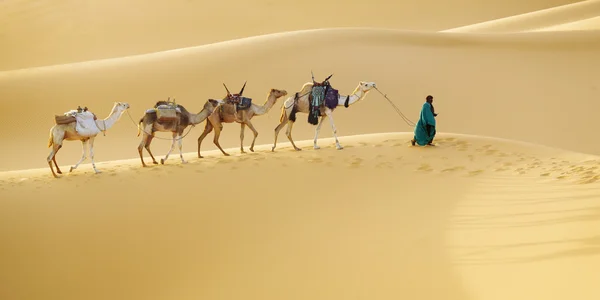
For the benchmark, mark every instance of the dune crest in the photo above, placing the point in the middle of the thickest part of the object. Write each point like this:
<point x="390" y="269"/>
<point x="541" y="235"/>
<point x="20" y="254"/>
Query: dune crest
<point x="545" y="18"/>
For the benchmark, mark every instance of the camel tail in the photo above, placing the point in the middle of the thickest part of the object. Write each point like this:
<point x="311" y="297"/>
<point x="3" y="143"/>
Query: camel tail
<point x="282" y="117"/>
<point x="139" y="127"/>
<point x="51" y="139"/>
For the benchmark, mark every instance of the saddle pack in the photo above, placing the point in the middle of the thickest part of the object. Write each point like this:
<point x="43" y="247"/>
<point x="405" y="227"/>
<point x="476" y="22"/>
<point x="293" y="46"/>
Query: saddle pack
<point x="166" y="111"/>
<point x="322" y="95"/>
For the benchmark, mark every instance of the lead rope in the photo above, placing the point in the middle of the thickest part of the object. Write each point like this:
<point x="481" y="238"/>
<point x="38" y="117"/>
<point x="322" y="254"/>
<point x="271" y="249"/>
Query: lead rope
<point x="406" y="120"/>
<point x="156" y="137"/>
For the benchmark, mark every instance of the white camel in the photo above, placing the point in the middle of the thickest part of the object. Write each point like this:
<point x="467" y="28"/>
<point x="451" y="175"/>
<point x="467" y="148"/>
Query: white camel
<point x="300" y="103"/>
<point x="68" y="132"/>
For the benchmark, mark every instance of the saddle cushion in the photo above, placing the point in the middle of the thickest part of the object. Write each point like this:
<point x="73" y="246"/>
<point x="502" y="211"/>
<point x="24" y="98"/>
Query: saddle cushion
<point x="167" y="112"/>
<point x="331" y="97"/>
<point x="86" y="122"/>
<point x="244" y="103"/>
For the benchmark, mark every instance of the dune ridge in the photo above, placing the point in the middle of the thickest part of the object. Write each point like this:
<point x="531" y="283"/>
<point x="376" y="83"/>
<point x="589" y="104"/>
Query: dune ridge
<point x="536" y="20"/>
<point x="364" y="34"/>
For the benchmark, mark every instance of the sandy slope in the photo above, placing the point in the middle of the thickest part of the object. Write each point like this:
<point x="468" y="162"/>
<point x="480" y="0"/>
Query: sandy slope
<point x="474" y="218"/>
<point x="478" y="81"/>
<point x="386" y="221"/>
<point x="584" y="24"/>
<point x="554" y="17"/>
<point x="47" y="32"/>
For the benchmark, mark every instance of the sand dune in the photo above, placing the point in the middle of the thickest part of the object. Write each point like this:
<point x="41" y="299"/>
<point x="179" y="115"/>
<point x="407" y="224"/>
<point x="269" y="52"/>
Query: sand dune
<point x="257" y="222"/>
<point x="545" y="18"/>
<point x="585" y="24"/>
<point x="470" y="75"/>
<point x="48" y="32"/>
<point x="504" y="207"/>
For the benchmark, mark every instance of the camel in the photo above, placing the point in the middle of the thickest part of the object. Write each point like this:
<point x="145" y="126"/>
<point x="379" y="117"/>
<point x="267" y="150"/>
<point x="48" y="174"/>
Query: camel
<point x="184" y="119"/>
<point x="228" y="113"/>
<point x="299" y="102"/>
<point x="68" y="132"/>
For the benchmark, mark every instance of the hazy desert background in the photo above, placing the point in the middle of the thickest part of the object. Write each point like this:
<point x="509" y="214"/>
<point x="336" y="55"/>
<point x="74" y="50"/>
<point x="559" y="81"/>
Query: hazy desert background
<point x="505" y="207"/>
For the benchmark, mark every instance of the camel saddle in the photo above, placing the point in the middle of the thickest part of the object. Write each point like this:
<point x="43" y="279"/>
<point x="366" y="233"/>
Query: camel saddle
<point x="241" y="103"/>
<point x="166" y="111"/>
<point x="320" y="96"/>
<point x="71" y="116"/>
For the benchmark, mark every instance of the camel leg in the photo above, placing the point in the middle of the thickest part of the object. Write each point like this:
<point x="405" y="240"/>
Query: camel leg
<point x="147" y="146"/>
<point x="55" y="149"/>
<point x="83" y="155"/>
<point x="216" y="139"/>
<point x="92" y="155"/>
<point x="162" y="160"/>
<point x="337" y="142"/>
<point x="255" y="135"/>
<point x="143" y="143"/>
<point x="278" y="129"/>
<point x="242" y="128"/>
<point x="288" y="132"/>
<point x="207" y="129"/>
<point x="180" y="145"/>
<point x="317" y="133"/>
<point x="54" y="160"/>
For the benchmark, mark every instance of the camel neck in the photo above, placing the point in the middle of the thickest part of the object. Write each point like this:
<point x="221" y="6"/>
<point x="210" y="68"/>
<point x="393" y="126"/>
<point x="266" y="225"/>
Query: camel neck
<point x="199" y="117"/>
<point x="109" y="121"/>
<point x="352" y="98"/>
<point x="266" y="106"/>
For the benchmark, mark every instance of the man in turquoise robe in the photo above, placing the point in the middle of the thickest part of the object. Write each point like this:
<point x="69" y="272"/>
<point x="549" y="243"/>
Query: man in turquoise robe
<point x="425" y="127"/>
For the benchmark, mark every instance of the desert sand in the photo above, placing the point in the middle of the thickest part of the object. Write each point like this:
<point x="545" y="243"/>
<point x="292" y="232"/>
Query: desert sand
<point x="505" y="206"/>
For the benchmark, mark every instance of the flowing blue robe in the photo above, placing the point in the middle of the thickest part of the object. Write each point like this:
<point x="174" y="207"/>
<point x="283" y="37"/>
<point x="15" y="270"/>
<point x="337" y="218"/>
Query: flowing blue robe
<point x="423" y="136"/>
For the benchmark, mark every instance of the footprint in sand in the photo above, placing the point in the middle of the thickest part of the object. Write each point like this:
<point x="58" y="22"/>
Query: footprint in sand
<point x="315" y="160"/>
<point x="475" y="172"/>
<point x="453" y="169"/>
<point x="385" y="164"/>
<point x="356" y="162"/>
<point x="501" y="169"/>
<point x="425" y="168"/>
<point x="589" y="179"/>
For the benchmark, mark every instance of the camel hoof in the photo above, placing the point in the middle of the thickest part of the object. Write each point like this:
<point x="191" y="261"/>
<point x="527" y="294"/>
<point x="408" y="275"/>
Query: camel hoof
<point x="162" y="161"/>
<point x="298" y="149"/>
<point x="242" y="151"/>
<point x="155" y="162"/>
<point x="59" y="171"/>
<point x="98" y="172"/>
<point x="226" y="154"/>
<point x="184" y="162"/>
<point x="70" y="170"/>
<point x="252" y="149"/>
<point x="273" y="149"/>
<point x="316" y="147"/>
<point x="144" y="166"/>
<point x="340" y="147"/>
<point x="200" y="156"/>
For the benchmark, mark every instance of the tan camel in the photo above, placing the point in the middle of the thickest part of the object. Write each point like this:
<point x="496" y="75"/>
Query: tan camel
<point x="299" y="102"/>
<point x="68" y="132"/>
<point x="184" y="119"/>
<point x="228" y="113"/>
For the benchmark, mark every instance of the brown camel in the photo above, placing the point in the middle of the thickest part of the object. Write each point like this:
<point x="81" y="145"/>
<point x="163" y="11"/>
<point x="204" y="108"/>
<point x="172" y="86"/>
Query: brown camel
<point x="230" y="113"/>
<point x="184" y="119"/>
<point x="299" y="102"/>
<point x="68" y="132"/>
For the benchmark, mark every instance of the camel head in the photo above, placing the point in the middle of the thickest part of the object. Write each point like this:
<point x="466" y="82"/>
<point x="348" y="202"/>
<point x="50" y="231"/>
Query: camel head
<point x="277" y="93"/>
<point x="120" y="107"/>
<point x="366" y="86"/>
